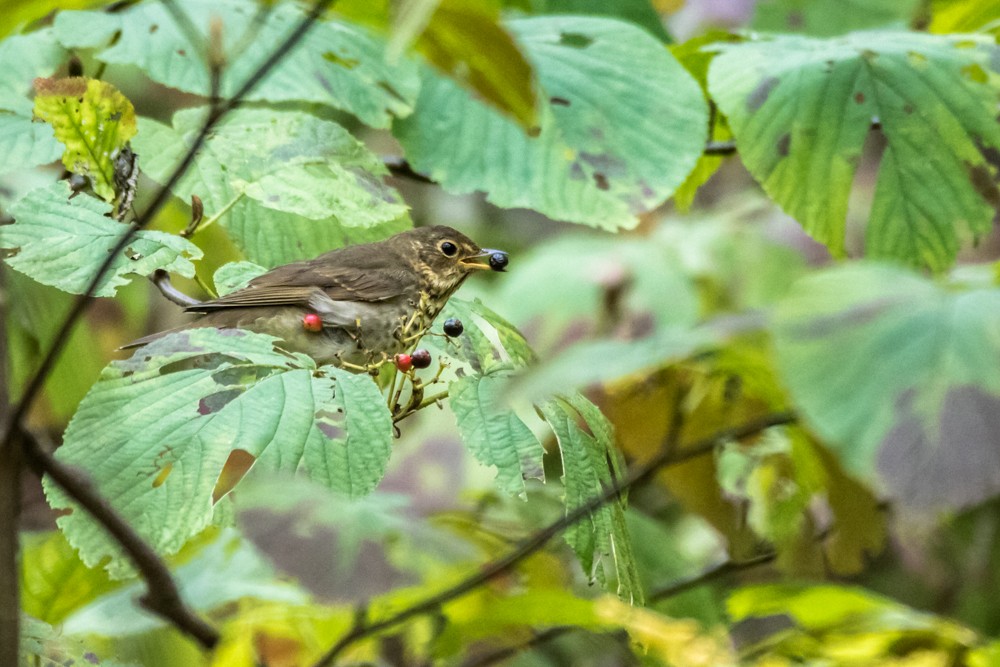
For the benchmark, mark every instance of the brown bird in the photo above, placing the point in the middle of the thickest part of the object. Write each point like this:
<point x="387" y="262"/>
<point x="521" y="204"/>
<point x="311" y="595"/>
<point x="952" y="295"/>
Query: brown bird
<point x="372" y="300"/>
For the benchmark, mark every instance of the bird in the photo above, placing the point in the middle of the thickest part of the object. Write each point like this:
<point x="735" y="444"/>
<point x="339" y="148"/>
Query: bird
<point x="353" y="307"/>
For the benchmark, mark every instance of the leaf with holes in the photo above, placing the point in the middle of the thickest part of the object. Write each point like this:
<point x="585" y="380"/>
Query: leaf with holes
<point x="614" y="140"/>
<point x="158" y="430"/>
<point x="334" y="64"/>
<point x="60" y="242"/>
<point x="286" y="185"/>
<point x="801" y="108"/>
<point x="93" y="120"/>
<point x="899" y="376"/>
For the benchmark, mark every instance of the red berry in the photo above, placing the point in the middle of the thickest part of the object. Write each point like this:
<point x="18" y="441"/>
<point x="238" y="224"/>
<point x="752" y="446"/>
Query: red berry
<point x="312" y="322"/>
<point x="404" y="362"/>
<point x="421" y="358"/>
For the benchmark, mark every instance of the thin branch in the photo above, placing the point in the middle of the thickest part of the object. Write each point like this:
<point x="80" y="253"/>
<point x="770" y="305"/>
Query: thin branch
<point x="10" y="511"/>
<point x="540" y="538"/>
<point x="216" y="113"/>
<point x="162" y="596"/>
<point x="401" y="168"/>
<point x="706" y="576"/>
<point x="720" y="148"/>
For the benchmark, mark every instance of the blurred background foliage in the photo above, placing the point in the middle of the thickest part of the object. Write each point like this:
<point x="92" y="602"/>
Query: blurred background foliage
<point x="831" y="541"/>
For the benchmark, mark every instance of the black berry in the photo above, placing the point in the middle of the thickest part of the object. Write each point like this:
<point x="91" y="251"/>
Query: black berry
<point x="498" y="261"/>
<point x="421" y="358"/>
<point x="453" y="327"/>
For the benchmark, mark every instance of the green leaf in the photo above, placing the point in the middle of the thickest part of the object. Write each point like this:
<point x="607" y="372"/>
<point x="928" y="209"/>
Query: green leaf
<point x="286" y="185"/>
<point x="823" y="608"/>
<point x="93" y="120"/>
<point x="35" y="315"/>
<point x="824" y="18"/>
<point x="602" y="361"/>
<point x="235" y="275"/>
<point x="614" y="140"/>
<point x="194" y="398"/>
<point x="26" y="57"/>
<point x="477" y="348"/>
<point x="593" y="286"/>
<point x="897" y="374"/>
<point x="801" y="108"/>
<point x="494" y="434"/>
<point x="54" y="581"/>
<point x="601" y="542"/>
<point x="964" y="16"/>
<point x="225" y="570"/>
<point x="335" y="64"/>
<point x="466" y="42"/>
<point x="17" y="13"/>
<point x="640" y="12"/>
<point x="60" y="242"/>
<point x="24" y="144"/>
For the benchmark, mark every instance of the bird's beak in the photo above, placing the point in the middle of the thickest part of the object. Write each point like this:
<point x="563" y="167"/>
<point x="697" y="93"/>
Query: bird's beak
<point x="481" y="260"/>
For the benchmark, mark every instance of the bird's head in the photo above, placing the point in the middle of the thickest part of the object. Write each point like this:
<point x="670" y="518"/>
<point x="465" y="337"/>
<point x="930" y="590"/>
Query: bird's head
<point x="445" y="257"/>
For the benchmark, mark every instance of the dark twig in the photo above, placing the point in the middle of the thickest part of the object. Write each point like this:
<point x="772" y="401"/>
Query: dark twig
<point x="162" y="595"/>
<point x="10" y="512"/>
<point x="706" y="576"/>
<point x="215" y="114"/>
<point x="540" y="538"/>
<point x="401" y="168"/>
<point x="720" y="148"/>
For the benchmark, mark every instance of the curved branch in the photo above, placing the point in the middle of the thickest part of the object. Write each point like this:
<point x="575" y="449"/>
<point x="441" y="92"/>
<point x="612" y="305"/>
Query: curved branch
<point x="533" y="543"/>
<point x="216" y="113"/>
<point x="162" y="596"/>
<point x="706" y="576"/>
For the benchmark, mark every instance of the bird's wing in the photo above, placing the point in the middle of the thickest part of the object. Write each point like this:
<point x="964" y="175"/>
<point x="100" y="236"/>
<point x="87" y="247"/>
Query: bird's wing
<point x="304" y="284"/>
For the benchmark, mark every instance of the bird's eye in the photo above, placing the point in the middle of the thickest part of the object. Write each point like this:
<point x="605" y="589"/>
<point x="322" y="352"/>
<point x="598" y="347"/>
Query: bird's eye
<point x="448" y="248"/>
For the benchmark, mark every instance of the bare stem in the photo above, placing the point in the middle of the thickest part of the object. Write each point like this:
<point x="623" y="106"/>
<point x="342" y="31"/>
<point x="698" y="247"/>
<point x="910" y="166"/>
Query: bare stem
<point x="669" y="455"/>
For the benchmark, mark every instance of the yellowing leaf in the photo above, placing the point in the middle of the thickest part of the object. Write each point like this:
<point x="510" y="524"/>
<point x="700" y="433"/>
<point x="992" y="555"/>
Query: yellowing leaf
<point x="466" y="41"/>
<point x="681" y="643"/>
<point x="94" y="121"/>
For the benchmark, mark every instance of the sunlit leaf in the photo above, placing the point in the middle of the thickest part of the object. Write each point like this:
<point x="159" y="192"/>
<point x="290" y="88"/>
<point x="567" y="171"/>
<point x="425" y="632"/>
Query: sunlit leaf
<point x="93" y="120"/>
<point x="801" y="109"/>
<point x="678" y="642"/>
<point x="964" y="16"/>
<point x="192" y="399"/>
<point x="54" y="581"/>
<point x="614" y="140"/>
<point x="61" y="242"/>
<point x="286" y="185"/>
<point x="896" y="373"/>
<point x="226" y="569"/>
<point x="335" y="64"/>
